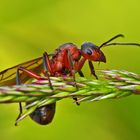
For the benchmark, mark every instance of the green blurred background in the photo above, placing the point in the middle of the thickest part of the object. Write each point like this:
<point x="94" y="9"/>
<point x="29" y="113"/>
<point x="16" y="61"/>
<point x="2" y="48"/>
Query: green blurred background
<point x="30" y="27"/>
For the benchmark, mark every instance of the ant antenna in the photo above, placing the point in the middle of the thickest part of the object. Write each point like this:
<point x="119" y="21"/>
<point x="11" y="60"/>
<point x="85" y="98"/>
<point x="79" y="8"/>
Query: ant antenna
<point x="117" y="43"/>
<point x="105" y="43"/>
<point x="122" y="43"/>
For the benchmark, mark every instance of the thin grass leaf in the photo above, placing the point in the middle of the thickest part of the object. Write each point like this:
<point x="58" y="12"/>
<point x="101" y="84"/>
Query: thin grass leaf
<point x="115" y="84"/>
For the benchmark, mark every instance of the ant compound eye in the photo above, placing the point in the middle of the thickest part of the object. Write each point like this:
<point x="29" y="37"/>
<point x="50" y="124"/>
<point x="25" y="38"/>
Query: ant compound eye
<point x="89" y="52"/>
<point x="88" y="48"/>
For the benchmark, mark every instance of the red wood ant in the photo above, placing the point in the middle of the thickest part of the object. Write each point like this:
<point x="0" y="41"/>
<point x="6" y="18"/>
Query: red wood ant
<point x="66" y="60"/>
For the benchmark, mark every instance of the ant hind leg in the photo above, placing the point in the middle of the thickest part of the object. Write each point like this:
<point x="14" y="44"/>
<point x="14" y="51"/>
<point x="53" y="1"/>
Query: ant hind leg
<point x="18" y="82"/>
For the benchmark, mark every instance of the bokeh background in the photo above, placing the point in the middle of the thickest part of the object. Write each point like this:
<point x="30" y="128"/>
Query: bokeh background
<point x="30" y="27"/>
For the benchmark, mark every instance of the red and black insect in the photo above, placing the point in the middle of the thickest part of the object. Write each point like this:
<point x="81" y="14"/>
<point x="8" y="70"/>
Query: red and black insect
<point x="68" y="59"/>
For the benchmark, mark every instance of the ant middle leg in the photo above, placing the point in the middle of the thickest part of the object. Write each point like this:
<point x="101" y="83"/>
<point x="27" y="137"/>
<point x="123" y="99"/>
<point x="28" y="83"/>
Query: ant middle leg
<point x="72" y="72"/>
<point x="47" y="68"/>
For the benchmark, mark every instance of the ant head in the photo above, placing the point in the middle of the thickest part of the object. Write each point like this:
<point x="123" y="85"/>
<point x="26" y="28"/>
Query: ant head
<point x="92" y="52"/>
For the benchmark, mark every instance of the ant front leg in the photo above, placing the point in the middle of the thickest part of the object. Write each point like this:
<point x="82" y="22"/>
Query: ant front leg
<point x="18" y="82"/>
<point x="81" y="73"/>
<point x="92" y="69"/>
<point x="78" y="66"/>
